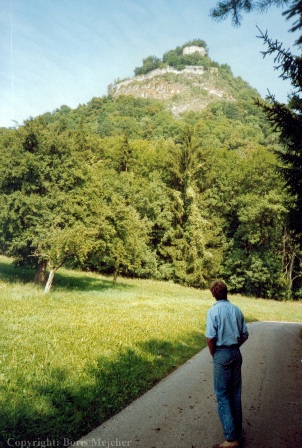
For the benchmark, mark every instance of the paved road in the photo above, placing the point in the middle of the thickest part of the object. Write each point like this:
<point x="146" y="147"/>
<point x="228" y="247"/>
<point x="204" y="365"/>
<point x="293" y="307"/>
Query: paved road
<point x="180" y="411"/>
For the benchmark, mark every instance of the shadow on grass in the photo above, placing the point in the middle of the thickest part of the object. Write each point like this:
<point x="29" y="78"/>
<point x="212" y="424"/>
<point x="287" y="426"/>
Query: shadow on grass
<point x="11" y="273"/>
<point x="74" y="410"/>
<point x="85" y="283"/>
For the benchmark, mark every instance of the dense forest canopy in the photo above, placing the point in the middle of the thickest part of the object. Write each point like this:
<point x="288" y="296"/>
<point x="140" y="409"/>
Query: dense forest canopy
<point x="123" y="187"/>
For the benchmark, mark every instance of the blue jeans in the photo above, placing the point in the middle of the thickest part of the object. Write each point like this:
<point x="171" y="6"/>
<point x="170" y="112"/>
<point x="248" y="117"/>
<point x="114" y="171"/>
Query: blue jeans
<point x="227" y="386"/>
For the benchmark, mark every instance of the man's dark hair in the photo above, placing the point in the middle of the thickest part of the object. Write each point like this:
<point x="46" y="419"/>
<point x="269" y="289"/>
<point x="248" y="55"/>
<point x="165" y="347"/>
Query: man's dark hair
<point x="219" y="290"/>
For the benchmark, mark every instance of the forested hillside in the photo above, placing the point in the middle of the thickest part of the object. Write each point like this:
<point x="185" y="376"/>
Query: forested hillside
<point x="124" y="186"/>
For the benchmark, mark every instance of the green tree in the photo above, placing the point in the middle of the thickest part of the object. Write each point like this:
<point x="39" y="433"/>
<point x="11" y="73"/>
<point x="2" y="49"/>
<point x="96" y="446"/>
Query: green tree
<point x="193" y="243"/>
<point x="286" y="119"/>
<point x="61" y="245"/>
<point x="150" y="63"/>
<point x="126" y="155"/>
<point x="41" y="187"/>
<point x="249" y="199"/>
<point x="257" y="246"/>
<point x="127" y="250"/>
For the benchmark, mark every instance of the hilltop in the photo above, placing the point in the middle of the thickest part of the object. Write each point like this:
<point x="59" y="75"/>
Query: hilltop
<point x="185" y="79"/>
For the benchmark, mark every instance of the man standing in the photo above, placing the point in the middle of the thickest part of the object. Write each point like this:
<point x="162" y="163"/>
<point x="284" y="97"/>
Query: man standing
<point x="226" y="331"/>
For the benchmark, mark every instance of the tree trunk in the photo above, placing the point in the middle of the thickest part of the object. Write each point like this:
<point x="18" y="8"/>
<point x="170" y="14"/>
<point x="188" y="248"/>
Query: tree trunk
<point x="50" y="279"/>
<point x="40" y="274"/>
<point x="289" y="273"/>
<point x="115" y="276"/>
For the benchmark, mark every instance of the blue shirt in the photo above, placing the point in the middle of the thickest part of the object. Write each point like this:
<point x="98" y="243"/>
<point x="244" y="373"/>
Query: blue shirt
<point x="226" y="323"/>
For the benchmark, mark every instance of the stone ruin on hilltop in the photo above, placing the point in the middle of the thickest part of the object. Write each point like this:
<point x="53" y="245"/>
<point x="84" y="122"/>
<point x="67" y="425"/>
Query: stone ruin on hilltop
<point x="194" y="49"/>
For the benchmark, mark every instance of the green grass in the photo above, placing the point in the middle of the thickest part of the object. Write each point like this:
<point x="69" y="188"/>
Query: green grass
<point x="72" y="358"/>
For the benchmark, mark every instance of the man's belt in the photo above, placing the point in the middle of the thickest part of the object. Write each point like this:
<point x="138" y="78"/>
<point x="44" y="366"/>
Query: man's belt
<point x="227" y="347"/>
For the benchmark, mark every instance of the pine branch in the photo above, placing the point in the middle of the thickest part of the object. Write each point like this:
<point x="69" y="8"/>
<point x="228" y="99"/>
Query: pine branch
<point x="264" y="5"/>
<point x="290" y="64"/>
<point x="295" y="9"/>
<point x="226" y="7"/>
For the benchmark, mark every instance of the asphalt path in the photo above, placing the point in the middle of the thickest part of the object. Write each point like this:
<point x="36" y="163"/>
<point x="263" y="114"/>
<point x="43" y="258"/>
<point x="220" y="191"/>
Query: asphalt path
<point x="180" y="411"/>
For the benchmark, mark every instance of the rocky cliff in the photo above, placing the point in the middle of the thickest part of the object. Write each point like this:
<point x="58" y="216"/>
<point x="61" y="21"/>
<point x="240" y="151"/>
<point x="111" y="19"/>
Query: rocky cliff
<point x="192" y="88"/>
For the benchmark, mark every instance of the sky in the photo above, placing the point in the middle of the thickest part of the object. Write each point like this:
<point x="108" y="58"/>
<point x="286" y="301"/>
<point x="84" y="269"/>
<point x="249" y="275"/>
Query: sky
<point x="65" y="52"/>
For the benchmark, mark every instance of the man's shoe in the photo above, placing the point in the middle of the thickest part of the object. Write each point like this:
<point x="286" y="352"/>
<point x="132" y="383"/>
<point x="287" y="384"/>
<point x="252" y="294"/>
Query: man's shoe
<point x="227" y="444"/>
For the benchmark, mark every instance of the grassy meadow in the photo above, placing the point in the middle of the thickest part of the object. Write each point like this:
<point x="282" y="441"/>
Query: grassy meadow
<point x="72" y="358"/>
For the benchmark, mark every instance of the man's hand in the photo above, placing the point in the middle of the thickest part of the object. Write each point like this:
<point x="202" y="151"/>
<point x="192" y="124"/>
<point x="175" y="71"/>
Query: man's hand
<point x="242" y="339"/>
<point x="212" y="345"/>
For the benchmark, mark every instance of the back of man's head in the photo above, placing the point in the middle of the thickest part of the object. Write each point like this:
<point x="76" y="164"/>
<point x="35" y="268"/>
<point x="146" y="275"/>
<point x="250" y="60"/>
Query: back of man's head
<point x="219" y="290"/>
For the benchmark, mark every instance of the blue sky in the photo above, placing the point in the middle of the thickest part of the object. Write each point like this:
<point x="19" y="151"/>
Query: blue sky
<point x="56" y="52"/>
